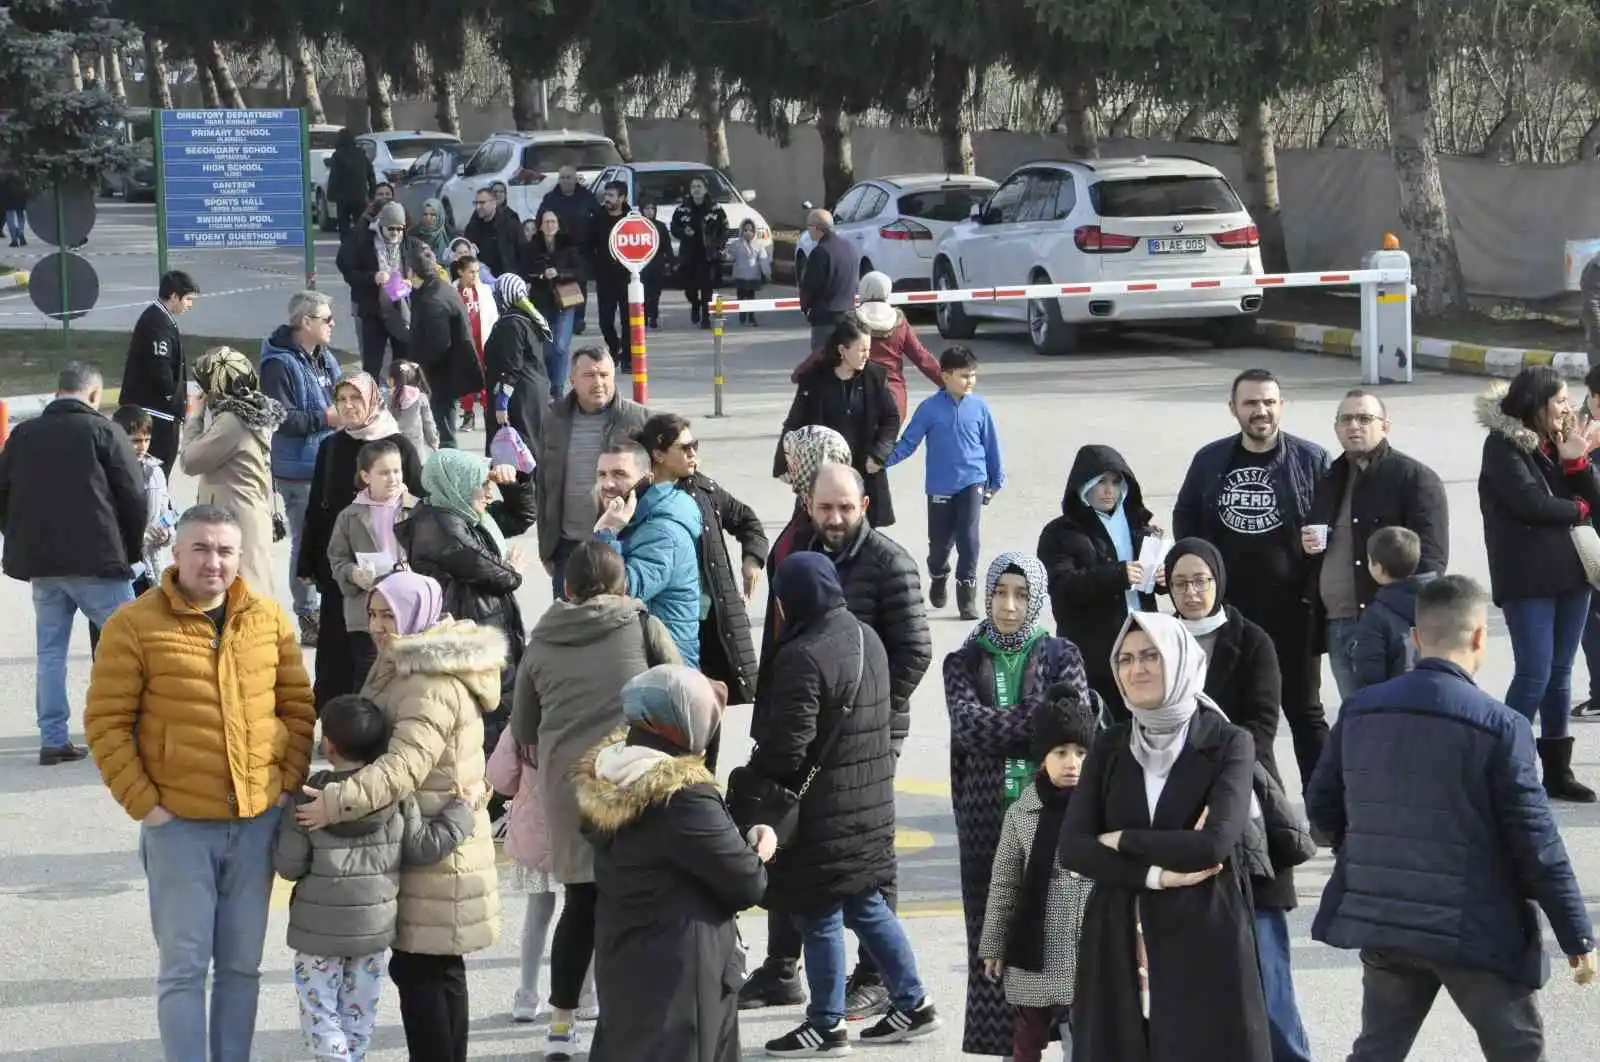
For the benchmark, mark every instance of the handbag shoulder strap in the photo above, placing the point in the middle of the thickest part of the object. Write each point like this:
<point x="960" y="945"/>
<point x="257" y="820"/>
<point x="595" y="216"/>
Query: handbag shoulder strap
<point x="844" y="715"/>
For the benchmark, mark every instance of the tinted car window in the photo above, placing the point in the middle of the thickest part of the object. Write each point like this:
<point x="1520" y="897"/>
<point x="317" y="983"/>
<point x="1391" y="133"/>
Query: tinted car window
<point x="409" y="147"/>
<point x="672" y="186"/>
<point x="941" y="204"/>
<point x="1040" y="202"/>
<point x="845" y="209"/>
<point x="584" y="154"/>
<point x="1156" y="197"/>
<point x="871" y="204"/>
<point x="1005" y="203"/>
<point x="324" y="140"/>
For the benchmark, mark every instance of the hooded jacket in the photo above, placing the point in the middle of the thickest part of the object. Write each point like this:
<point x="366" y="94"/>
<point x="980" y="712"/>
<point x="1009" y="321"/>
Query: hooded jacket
<point x="347" y="877"/>
<point x="302" y="382"/>
<point x="569" y="697"/>
<point x="659" y="548"/>
<point x="1382" y="648"/>
<point x="672" y="872"/>
<point x="1530" y="502"/>
<point x="435" y="688"/>
<point x="1088" y="583"/>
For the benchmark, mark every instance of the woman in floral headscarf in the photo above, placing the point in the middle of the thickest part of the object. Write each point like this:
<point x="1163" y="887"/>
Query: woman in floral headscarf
<point x="227" y="447"/>
<point x="363" y="419"/>
<point x="992" y="686"/>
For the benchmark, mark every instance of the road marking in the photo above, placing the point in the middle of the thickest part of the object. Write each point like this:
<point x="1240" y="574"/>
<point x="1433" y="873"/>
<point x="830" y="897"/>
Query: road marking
<point x="923" y="787"/>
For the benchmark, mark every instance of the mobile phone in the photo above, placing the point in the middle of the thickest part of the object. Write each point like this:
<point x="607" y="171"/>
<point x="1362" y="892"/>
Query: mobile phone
<point x="640" y="487"/>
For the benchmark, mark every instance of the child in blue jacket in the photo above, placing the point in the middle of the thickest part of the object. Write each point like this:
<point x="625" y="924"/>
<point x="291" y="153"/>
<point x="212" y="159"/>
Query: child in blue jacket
<point x="1382" y="648"/>
<point x="963" y="472"/>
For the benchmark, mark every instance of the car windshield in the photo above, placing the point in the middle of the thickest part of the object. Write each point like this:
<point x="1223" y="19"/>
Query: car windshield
<point x="584" y="154"/>
<point x="672" y="186"/>
<point x="949" y="203"/>
<point x="1162" y="197"/>
<point x="324" y="139"/>
<point x="409" y="147"/>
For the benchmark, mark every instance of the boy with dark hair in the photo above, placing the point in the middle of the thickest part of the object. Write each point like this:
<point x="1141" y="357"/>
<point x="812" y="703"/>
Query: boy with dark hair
<point x="347" y="883"/>
<point x="155" y="375"/>
<point x="963" y="471"/>
<point x="160" y="517"/>
<point x="1383" y="647"/>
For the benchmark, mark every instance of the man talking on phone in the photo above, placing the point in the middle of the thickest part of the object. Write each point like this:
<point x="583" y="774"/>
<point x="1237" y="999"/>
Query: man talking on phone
<point x="655" y="527"/>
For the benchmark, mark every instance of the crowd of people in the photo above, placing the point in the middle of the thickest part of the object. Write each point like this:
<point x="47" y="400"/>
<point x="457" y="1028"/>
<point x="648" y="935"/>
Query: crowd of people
<point x="1127" y="844"/>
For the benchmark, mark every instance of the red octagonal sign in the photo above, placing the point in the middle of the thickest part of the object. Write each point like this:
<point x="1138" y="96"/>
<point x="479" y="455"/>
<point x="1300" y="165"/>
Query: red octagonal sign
<point x="634" y="241"/>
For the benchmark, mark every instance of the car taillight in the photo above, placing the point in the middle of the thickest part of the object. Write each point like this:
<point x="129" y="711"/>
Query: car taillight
<point x="1091" y="239"/>
<point x="527" y="177"/>
<point x="1239" y="239"/>
<point x="905" y="230"/>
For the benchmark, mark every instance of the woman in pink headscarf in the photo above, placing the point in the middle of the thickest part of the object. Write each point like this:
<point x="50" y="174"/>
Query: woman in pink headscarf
<point x="434" y="679"/>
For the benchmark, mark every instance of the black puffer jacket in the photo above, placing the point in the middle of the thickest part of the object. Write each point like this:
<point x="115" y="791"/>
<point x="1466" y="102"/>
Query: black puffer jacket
<point x="1088" y="584"/>
<point x="844" y="843"/>
<point x="351" y="181"/>
<point x="722" y="514"/>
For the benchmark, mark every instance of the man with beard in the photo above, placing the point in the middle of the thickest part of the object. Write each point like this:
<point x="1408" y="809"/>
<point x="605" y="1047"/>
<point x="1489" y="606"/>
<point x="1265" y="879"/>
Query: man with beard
<point x="611" y="276"/>
<point x="1250" y="495"/>
<point x="883" y="590"/>
<point x="496" y="232"/>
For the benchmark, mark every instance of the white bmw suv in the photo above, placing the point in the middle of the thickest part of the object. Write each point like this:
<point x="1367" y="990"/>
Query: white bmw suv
<point x="1135" y="219"/>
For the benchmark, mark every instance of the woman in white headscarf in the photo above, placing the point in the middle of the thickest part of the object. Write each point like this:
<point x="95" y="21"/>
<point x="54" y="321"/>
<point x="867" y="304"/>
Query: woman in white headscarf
<point x="1168" y="950"/>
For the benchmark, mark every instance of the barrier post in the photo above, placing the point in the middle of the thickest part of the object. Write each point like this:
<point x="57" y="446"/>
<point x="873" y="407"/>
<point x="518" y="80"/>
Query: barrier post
<point x="718" y="320"/>
<point x="633" y="242"/>
<point x="5" y="422"/>
<point x="636" y="351"/>
<point x="1387" y="355"/>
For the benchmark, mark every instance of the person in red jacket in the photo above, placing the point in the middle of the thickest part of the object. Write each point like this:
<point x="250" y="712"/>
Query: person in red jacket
<point x="893" y="340"/>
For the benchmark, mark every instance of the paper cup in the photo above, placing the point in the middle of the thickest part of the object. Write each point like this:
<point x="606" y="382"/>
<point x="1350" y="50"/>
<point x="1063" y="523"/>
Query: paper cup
<point x="1320" y="532"/>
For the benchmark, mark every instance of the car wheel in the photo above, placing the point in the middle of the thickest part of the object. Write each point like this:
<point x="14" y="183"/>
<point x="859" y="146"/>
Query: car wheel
<point x="1229" y="332"/>
<point x="1051" y="334"/>
<point x="951" y="317"/>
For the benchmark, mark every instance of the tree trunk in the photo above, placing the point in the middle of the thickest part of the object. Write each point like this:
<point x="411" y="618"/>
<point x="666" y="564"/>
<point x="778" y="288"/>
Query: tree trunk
<point x="74" y="71"/>
<point x="380" y="109"/>
<point x="838" y="163"/>
<point x="1121" y="127"/>
<point x="614" y="123"/>
<point x="1188" y="126"/>
<point x="1077" y="117"/>
<point x="1259" y="149"/>
<point x="713" y="120"/>
<point x="527" y="103"/>
<point x="1589" y="146"/>
<point x="208" y="85"/>
<point x="155" y="73"/>
<point x="1337" y="133"/>
<point x="114" y="75"/>
<point x="1406" y="54"/>
<point x="306" y="90"/>
<point x="950" y="83"/>
<point x="445" y="111"/>
<point x="1498" y="146"/>
<point x="222" y="75"/>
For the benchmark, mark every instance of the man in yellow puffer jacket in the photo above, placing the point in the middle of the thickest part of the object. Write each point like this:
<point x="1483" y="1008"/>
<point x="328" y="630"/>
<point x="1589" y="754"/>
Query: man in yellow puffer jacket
<point x="200" y="719"/>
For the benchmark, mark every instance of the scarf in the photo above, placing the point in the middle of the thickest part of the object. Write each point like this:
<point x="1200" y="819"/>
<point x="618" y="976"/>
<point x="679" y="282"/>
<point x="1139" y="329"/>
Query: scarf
<point x="1217" y="618"/>
<point x="675" y="704"/>
<point x="382" y="516"/>
<point x="417" y="600"/>
<point x="1027" y="566"/>
<point x="1116" y="526"/>
<point x="807" y="449"/>
<point x="391" y="216"/>
<point x="377" y="422"/>
<point x="1154" y="739"/>
<point x="256" y="410"/>
<point x="1025" y="935"/>
<point x="450" y="479"/>
<point x="435" y="237"/>
<point x="624" y="765"/>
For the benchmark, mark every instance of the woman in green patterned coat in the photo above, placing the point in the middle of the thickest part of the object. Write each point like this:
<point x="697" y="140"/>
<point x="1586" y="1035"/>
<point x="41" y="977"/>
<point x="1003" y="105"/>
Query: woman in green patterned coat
<point x="992" y="685"/>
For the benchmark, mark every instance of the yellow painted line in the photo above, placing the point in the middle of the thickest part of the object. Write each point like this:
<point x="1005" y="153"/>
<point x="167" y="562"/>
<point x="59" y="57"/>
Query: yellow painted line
<point x="1397" y="297"/>
<point x="1469" y="354"/>
<point x="1343" y="338"/>
<point x="717" y="380"/>
<point x="924" y="787"/>
<point x="1538" y="357"/>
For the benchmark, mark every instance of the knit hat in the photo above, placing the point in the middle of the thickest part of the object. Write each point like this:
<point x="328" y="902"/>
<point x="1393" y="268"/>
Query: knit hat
<point x="1062" y="718"/>
<point x="392" y="216"/>
<point x="874" y="313"/>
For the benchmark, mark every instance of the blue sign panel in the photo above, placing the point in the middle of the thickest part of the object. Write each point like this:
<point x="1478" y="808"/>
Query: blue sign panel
<point x="233" y="179"/>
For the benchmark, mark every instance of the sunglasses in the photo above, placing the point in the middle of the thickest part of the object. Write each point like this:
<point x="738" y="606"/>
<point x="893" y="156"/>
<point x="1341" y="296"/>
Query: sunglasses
<point x="689" y="447"/>
<point x="398" y="229"/>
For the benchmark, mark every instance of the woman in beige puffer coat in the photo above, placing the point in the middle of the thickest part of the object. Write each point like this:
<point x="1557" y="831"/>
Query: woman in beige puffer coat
<point x="434" y="680"/>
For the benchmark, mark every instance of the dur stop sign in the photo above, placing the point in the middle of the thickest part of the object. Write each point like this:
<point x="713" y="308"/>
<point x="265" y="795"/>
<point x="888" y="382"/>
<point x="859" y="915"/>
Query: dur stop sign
<point x="634" y="241"/>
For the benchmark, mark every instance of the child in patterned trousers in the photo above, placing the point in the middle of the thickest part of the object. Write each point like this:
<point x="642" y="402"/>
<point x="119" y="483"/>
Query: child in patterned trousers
<point x="347" y="881"/>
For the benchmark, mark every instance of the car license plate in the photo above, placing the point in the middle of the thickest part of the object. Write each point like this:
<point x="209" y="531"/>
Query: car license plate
<point x="1178" y="245"/>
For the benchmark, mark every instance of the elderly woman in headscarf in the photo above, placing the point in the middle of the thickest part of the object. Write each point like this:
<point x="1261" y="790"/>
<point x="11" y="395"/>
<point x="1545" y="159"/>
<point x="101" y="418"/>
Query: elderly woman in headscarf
<point x="993" y="687"/>
<point x="1168" y="952"/>
<point x="672" y="871"/>
<point x="228" y="449"/>
<point x="435" y="678"/>
<point x="363" y="418"/>
<point x="894" y="341"/>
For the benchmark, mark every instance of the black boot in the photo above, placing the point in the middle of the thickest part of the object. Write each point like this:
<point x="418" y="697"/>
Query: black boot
<point x="776" y="983"/>
<point x="967" y="598"/>
<point x="939" y="591"/>
<point x="1559" y="781"/>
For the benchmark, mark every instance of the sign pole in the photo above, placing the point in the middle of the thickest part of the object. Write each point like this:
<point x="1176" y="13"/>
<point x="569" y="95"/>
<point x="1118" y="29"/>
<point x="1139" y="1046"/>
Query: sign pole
<point x="161" y="198"/>
<point x="305" y="169"/>
<point x="718" y="319"/>
<point x="641" y="366"/>
<point x="66" y="283"/>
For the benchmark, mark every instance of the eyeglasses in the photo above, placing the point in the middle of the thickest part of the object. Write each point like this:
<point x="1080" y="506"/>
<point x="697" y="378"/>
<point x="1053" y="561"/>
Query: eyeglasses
<point x="1363" y="420"/>
<point x="320" y="319"/>
<point x="688" y="446"/>
<point x="1149" y="658"/>
<point x="1198" y="585"/>
<point x="397" y="230"/>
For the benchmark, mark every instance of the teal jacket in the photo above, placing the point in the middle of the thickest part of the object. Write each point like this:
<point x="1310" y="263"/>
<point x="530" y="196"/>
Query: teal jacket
<point x="660" y="548"/>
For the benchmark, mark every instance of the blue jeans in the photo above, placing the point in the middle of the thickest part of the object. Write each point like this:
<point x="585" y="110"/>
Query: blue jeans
<point x="1289" y="1043"/>
<point x="56" y="602"/>
<point x="296" y="494"/>
<point x="1341" y="636"/>
<point x="883" y="938"/>
<point x="953" y="521"/>
<point x="1545" y="635"/>
<point x="558" y="352"/>
<point x="16" y="224"/>
<point x="210" y="885"/>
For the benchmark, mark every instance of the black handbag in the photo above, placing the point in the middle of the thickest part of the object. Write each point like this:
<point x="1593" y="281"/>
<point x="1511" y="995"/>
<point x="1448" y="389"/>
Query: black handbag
<point x="756" y="800"/>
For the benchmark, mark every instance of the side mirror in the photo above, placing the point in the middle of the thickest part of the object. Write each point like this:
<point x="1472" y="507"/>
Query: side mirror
<point x="461" y="169"/>
<point x="806" y="204"/>
<point x="327" y="163"/>
<point x="749" y="195"/>
<point x="976" y="213"/>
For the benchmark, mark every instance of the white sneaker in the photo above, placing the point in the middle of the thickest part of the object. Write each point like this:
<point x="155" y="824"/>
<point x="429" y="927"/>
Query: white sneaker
<point x="561" y="1043"/>
<point x="526" y="1008"/>
<point x="589" y="1011"/>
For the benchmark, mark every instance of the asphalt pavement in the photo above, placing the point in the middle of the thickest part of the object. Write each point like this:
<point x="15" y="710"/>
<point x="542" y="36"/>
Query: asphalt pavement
<point x="77" y="980"/>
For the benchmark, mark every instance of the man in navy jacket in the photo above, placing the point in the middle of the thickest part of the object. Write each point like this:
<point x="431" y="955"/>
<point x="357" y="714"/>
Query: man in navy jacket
<point x="1446" y="848"/>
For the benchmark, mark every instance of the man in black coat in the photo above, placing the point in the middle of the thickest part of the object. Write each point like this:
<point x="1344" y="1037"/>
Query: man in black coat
<point x="155" y="376"/>
<point x="73" y="514"/>
<point x="883" y="589"/>
<point x="823" y="722"/>
<point x="579" y="211"/>
<point x="496" y="232"/>
<point x="1370" y="486"/>
<point x="440" y="339"/>
<point x="351" y="184"/>
<point x="1445" y="846"/>
<point x="828" y="287"/>
<point x="611" y="277"/>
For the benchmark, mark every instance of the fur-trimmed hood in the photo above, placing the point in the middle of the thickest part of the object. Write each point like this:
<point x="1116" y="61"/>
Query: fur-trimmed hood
<point x="1487" y="408"/>
<point x="465" y="650"/>
<point x="607" y="807"/>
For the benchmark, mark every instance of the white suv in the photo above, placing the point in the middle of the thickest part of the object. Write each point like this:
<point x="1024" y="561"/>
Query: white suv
<point x="1102" y="220"/>
<point x="528" y="164"/>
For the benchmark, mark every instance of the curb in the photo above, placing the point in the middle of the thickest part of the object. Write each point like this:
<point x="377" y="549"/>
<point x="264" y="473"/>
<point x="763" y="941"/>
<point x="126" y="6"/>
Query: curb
<point x="17" y="279"/>
<point x="1468" y="359"/>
